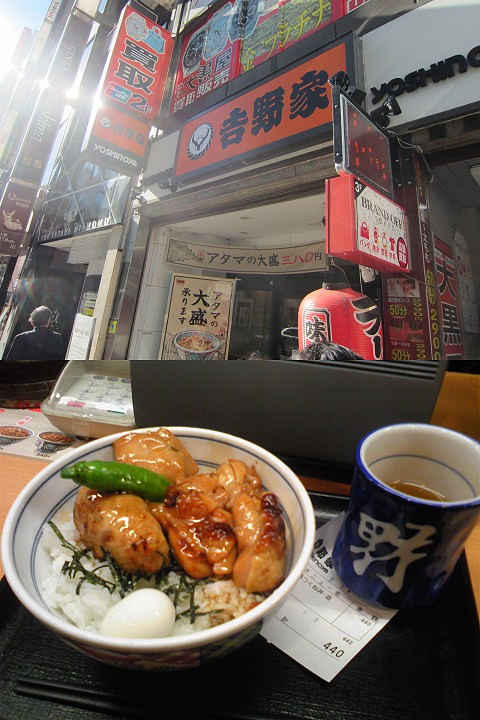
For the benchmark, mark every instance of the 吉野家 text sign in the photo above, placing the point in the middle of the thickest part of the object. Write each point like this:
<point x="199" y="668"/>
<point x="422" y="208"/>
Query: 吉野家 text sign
<point x="292" y="105"/>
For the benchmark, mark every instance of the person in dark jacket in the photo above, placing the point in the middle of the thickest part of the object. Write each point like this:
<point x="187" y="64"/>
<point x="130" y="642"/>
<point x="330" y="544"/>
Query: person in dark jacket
<point x="41" y="343"/>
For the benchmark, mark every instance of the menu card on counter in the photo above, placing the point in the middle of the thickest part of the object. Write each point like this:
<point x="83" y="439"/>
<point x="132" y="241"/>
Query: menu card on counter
<point x="321" y="624"/>
<point x="30" y="434"/>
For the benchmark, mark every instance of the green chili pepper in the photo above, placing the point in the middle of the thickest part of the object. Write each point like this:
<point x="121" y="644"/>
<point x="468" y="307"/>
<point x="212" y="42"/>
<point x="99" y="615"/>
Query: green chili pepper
<point x="118" y="477"/>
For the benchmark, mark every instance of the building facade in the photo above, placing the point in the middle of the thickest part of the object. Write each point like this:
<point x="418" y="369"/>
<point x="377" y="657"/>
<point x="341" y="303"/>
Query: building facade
<point x="263" y="175"/>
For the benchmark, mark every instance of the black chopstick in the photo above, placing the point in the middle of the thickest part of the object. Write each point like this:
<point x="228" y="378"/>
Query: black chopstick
<point x="101" y="700"/>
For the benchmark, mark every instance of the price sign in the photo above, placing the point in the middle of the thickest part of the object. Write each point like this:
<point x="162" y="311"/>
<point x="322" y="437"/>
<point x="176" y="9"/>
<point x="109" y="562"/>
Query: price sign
<point x="360" y="147"/>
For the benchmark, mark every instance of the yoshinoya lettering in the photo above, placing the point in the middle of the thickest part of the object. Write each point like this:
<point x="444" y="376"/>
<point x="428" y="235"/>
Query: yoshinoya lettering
<point x="115" y="155"/>
<point x="438" y="71"/>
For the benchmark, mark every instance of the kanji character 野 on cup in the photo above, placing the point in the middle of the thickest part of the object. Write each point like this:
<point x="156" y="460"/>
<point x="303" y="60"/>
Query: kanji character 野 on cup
<point x="414" y="500"/>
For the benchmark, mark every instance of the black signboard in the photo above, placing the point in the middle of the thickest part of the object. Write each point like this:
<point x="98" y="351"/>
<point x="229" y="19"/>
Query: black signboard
<point x="360" y="147"/>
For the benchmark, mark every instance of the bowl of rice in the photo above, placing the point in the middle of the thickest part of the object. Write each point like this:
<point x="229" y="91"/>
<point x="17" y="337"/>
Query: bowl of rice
<point x="196" y="345"/>
<point x="40" y="548"/>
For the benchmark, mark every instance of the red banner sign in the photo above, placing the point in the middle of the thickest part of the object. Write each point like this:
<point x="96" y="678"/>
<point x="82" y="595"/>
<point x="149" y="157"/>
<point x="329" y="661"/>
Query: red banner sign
<point x="449" y="305"/>
<point x="136" y="72"/>
<point x="274" y="114"/>
<point x="116" y="140"/>
<point x="15" y="209"/>
<point x="364" y="226"/>
<point x="406" y="318"/>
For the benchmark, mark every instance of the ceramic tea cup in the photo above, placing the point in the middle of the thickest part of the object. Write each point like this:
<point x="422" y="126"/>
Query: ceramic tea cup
<point x="414" y="500"/>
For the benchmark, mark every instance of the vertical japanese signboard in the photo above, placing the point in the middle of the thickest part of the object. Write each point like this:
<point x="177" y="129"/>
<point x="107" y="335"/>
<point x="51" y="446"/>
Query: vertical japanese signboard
<point x="15" y="209"/>
<point x="131" y="90"/>
<point x="449" y="305"/>
<point x="405" y="318"/>
<point x="412" y="319"/>
<point x="137" y="69"/>
<point x="198" y="318"/>
<point x="41" y="132"/>
<point x="466" y="283"/>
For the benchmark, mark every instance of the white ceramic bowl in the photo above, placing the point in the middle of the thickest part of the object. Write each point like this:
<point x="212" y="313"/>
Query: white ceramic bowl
<point x="25" y="562"/>
<point x="190" y="354"/>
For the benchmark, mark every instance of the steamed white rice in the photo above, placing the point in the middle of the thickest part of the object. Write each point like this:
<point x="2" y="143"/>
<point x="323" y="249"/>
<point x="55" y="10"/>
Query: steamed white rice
<point x="222" y="598"/>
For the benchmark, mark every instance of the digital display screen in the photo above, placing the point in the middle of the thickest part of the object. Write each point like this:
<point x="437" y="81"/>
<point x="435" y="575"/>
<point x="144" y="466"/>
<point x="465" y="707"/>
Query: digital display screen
<point x="365" y="149"/>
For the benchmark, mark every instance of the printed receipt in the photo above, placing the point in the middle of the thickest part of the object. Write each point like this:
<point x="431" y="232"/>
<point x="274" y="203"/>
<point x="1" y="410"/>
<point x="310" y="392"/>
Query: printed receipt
<point x="321" y="624"/>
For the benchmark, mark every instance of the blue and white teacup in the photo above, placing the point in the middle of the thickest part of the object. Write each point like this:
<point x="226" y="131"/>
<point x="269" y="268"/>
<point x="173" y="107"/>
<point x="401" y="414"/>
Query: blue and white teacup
<point x="415" y="498"/>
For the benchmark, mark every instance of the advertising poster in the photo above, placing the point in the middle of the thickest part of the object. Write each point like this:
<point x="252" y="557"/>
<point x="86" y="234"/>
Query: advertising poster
<point x="288" y="259"/>
<point x="209" y="59"/>
<point x="238" y="37"/>
<point x="448" y="295"/>
<point x="81" y="338"/>
<point x="468" y="301"/>
<point x="275" y="25"/>
<point x="15" y="209"/>
<point x="198" y="318"/>
<point x="406" y="318"/>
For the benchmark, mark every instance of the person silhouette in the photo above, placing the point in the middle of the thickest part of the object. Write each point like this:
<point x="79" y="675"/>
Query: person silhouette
<point x="41" y="343"/>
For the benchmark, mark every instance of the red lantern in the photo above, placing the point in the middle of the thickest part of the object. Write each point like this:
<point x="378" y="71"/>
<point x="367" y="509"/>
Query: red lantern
<point x="338" y="314"/>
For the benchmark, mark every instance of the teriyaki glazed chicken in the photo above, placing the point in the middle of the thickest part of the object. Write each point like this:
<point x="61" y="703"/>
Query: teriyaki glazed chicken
<point x="185" y="551"/>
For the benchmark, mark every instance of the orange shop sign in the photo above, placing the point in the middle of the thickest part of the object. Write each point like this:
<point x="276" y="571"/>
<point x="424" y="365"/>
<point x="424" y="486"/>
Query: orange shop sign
<point x="116" y="140"/>
<point x="136" y="73"/>
<point x="290" y="107"/>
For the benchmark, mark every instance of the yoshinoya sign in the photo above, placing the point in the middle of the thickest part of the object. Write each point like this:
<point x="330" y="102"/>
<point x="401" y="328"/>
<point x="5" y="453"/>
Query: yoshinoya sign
<point x="285" y="110"/>
<point x="116" y="140"/>
<point x="441" y="70"/>
<point x="131" y="93"/>
<point x="432" y="65"/>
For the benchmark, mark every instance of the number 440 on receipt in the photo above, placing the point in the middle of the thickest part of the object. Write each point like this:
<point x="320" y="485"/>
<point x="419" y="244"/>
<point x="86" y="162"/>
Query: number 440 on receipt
<point x="321" y="624"/>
